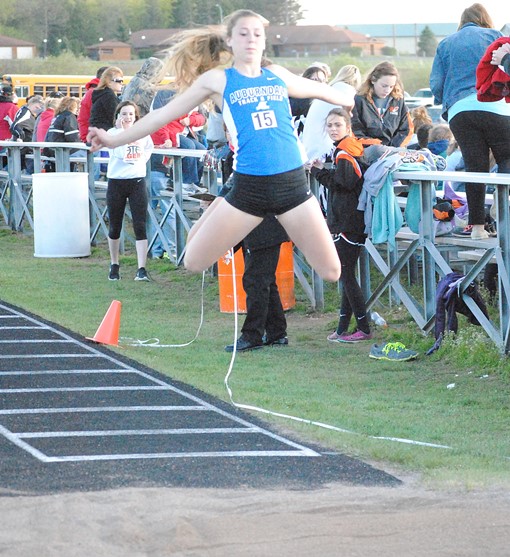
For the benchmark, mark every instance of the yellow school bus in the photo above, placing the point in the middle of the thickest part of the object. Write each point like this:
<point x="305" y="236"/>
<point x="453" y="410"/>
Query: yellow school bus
<point x="69" y="85"/>
<point x="32" y="84"/>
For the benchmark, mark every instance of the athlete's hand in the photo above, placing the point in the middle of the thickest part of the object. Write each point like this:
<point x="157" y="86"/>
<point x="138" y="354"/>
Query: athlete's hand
<point x="98" y="139"/>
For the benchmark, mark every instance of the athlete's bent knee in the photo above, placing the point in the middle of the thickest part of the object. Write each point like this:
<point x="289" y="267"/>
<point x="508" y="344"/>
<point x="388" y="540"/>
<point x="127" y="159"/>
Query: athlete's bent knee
<point x="332" y="274"/>
<point x="192" y="266"/>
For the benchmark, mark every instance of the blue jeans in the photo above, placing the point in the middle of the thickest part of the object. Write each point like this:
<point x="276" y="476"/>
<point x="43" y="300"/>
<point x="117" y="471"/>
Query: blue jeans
<point x="100" y="167"/>
<point x="192" y="168"/>
<point x="80" y="153"/>
<point x="159" y="182"/>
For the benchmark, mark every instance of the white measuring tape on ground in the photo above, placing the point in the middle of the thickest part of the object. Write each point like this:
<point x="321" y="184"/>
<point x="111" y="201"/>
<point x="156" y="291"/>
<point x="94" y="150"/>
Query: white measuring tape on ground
<point x="288" y="416"/>
<point x="155" y="343"/>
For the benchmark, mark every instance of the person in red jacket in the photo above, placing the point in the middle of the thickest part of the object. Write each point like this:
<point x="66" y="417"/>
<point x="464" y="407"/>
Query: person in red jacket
<point x="8" y="109"/>
<point x="500" y="56"/>
<point x="84" y="113"/>
<point x="86" y="104"/>
<point x="182" y="135"/>
<point x="43" y="121"/>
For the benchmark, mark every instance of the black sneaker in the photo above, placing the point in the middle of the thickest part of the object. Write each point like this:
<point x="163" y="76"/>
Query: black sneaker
<point x="243" y="345"/>
<point x="141" y="274"/>
<point x="491" y="229"/>
<point x="114" y="272"/>
<point x="281" y="341"/>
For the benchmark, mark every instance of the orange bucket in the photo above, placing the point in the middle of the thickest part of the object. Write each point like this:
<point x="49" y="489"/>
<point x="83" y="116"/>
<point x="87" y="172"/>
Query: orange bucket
<point x="284" y="280"/>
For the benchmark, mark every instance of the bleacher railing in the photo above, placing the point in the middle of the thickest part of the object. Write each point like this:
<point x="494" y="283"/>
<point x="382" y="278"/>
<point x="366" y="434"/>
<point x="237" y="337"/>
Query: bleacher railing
<point x="16" y="212"/>
<point x="167" y="207"/>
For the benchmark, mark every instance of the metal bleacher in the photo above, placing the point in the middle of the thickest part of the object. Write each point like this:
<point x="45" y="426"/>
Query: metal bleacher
<point x="434" y="252"/>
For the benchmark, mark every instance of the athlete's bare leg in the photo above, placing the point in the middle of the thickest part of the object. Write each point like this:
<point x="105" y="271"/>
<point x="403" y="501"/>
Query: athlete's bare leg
<point x="141" y="252"/>
<point x="205" y="215"/>
<point x="114" y="246"/>
<point x="307" y="228"/>
<point x="220" y="228"/>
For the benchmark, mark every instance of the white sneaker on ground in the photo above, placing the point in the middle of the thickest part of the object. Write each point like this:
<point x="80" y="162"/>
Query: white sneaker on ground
<point x="192" y="188"/>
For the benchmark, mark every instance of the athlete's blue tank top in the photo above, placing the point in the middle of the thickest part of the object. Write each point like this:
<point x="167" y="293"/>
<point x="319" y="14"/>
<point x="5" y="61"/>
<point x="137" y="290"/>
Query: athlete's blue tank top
<point x="257" y="114"/>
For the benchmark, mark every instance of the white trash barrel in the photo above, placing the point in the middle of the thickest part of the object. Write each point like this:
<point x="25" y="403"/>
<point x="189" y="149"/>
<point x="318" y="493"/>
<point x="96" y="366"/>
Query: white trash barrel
<point x="61" y="214"/>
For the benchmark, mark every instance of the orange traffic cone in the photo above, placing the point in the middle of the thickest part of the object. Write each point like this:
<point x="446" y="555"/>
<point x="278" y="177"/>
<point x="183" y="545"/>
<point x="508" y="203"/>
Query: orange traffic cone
<point x="108" y="331"/>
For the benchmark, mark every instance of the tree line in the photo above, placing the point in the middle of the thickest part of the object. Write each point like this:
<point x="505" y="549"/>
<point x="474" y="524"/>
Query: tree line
<point x="59" y="25"/>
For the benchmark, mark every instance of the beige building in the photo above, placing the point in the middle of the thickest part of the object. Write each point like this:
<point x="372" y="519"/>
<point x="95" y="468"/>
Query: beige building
<point x="282" y="40"/>
<point x="16" y="49"/>
<point x="318" y="40"/>
<point x="110" y="50"/>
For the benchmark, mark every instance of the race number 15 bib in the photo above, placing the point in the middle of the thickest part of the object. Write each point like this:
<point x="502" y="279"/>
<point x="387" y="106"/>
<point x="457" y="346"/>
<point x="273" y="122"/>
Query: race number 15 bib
<point x="264" y="119"/>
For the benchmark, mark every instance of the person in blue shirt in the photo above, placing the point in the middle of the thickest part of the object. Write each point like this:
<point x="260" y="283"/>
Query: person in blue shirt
<point x="269" y="176"/>
<point x="478" y="127"/>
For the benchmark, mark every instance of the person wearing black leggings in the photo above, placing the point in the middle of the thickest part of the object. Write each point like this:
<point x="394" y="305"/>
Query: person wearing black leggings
<point x="462" y="68"/>
<point x="126" y="181"/>
<point x="346" y="223"/>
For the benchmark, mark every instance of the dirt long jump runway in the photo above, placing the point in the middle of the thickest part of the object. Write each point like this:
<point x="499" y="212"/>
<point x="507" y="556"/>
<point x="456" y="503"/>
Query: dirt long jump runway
<point x="102" y="456"/>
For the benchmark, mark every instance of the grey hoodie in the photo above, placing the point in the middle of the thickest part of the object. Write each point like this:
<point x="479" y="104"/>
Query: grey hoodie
<point x="142" y="88"/>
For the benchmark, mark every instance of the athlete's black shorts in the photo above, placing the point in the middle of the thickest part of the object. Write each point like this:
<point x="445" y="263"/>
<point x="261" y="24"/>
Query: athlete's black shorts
<point x="274" y="194"/>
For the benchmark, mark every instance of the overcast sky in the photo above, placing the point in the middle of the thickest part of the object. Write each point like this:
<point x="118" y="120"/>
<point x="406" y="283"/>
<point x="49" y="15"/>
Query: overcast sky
<point x="333" y="12"/>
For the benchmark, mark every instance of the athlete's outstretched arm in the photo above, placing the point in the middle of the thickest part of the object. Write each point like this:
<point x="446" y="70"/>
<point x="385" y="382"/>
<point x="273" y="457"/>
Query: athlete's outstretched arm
<point x="303" y="88"/>
<point x="210" y="85"/>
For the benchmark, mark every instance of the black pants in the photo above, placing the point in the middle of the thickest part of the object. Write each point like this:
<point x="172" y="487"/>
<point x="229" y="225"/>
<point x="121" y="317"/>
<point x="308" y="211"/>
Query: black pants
<point x="353" y="301"/>
<point x="264" y="311"/>
<point x="477" y="133"/>
<point x="117" y="195"/>
<point x="490" y="279"/>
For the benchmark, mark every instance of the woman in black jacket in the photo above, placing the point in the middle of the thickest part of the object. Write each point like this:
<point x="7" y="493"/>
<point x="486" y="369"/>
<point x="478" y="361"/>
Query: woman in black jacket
<point x="345" y="222"/>
<point x="105" y="98"/>
<point x="379" y="108"/>
<point x="63" y="128"/>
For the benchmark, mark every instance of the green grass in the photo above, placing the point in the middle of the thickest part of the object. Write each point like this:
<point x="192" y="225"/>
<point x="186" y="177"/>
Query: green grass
<point x="311" y="379"/>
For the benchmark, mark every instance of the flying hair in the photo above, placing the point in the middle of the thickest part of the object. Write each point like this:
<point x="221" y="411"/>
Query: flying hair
<point x="196" y="52"/>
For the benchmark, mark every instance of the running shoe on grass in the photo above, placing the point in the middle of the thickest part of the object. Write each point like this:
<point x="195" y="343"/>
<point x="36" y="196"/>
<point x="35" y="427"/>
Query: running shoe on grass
<point x="393" y="352"/>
